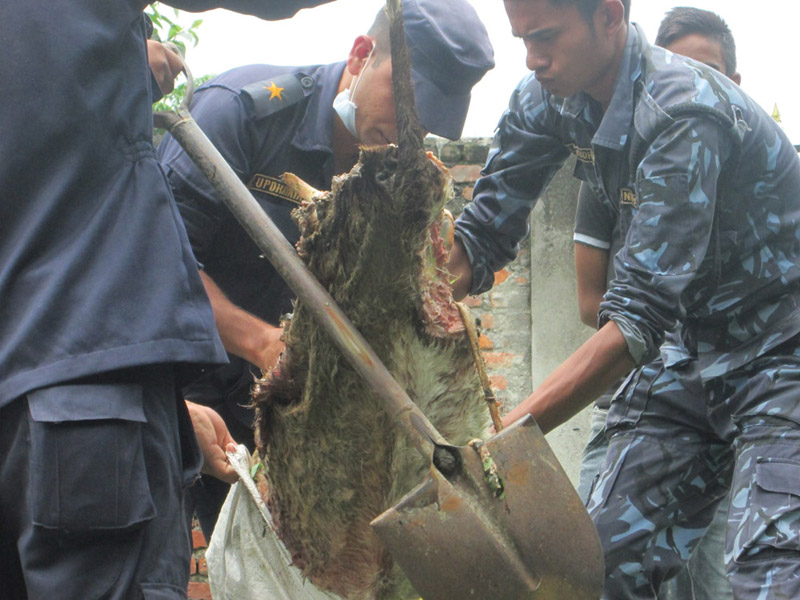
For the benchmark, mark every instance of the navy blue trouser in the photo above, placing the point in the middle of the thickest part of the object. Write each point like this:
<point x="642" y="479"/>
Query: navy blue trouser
<point x="676" y="446"/>
<point x="92" y="480"/>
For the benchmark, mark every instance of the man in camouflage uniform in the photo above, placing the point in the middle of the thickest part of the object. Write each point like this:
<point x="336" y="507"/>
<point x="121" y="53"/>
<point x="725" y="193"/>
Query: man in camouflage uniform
<point x="706" y="187"/>
<point x="705" y="37"/>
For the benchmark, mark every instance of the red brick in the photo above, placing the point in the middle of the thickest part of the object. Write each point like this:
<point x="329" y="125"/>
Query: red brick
<point x="487" y="321"/>
<point x="464" y="173"/>
<point x="199" y="590"/>
<point x="497" y="360"/>
<point x="466" y="193"/>
<point x="199" y="565"/>
<point x="484" y="343"/>
<point x="500" y="276"/>
<point x="498" y="382"/>
<point x="198" y="541"/>
<point x="521" y="280"/>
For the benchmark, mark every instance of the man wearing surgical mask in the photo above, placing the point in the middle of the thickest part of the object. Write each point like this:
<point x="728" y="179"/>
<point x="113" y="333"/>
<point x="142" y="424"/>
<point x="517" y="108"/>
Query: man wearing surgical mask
<point x="267" y="120"/>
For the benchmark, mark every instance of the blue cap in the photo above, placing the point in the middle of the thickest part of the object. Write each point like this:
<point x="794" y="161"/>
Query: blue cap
<point x="450" y="52"/>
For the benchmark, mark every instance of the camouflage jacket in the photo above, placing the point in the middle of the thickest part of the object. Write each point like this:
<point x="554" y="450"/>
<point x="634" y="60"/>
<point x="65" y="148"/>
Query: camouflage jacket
<point x="708" y="203"/>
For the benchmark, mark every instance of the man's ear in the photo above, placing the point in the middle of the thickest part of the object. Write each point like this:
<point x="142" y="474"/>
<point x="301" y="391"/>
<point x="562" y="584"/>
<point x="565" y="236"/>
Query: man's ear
<point x="609" y="16"/>
<point x="362" y="46"/>
<point x="736" y="78"/>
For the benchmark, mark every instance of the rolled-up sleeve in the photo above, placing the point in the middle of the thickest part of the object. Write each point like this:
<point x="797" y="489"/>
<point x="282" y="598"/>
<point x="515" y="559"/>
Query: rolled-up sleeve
<point x="669" y="234"/>
<point x="525" y="155"/>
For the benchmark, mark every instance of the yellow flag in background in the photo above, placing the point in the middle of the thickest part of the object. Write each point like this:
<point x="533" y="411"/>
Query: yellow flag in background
<point x="776" y="114"/>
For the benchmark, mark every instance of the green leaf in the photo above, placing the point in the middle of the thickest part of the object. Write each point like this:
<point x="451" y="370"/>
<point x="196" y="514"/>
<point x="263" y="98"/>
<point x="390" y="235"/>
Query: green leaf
<point x="172" y="101"/>
<point x="167" y="29"/>
<point x="174" y="31"/>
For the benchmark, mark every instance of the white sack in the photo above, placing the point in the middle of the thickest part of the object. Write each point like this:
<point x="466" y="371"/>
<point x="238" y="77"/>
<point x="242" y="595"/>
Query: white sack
<point x="246" y="560"/>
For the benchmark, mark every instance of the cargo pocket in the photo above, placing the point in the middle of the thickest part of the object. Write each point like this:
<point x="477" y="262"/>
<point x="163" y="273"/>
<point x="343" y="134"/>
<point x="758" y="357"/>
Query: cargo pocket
<point x="87" y="465"/>
<point x="772" y="517"/>
<point x="629" y="401"/>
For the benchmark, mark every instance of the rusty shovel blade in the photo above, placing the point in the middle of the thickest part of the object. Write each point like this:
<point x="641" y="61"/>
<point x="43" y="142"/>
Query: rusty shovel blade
<point x="454" y="539"/>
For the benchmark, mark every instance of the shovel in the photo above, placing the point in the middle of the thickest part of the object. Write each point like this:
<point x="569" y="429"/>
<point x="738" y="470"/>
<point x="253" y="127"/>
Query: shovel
<point x="496" y="519"/>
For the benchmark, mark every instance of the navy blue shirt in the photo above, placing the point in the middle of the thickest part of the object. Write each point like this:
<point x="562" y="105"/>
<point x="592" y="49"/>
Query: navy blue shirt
<point x="265" y="120"/>
<point x="96" y="272"/>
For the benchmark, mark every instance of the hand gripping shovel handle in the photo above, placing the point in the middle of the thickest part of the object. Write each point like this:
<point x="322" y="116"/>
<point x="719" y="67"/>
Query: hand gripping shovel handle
<point x="285" y="260"/>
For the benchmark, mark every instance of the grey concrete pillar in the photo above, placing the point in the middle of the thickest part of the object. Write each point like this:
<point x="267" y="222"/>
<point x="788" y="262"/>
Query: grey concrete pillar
<point x="556" y="329"/>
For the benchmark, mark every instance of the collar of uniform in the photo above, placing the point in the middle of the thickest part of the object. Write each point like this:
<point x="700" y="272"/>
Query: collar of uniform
<point x="573" y="107"/>
<point x="315" y="132"/>
<point x="615" y="127"/>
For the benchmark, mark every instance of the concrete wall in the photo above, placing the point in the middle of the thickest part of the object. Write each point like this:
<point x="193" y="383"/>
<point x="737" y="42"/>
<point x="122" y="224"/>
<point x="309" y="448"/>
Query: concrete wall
<point x="529" y="320"/>
<point x="556" y="329"/>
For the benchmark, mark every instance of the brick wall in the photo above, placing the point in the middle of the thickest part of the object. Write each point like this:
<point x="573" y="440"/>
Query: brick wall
<point x="198" y="577"/>
<point x="504" y="312"/>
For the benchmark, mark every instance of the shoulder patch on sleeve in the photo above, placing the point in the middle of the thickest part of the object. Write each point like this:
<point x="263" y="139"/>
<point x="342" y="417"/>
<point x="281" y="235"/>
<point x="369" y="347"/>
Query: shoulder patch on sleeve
<point x="272" y="95"/>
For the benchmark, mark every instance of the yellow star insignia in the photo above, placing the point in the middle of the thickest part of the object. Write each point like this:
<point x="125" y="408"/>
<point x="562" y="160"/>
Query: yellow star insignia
<point x="274" y="90"/>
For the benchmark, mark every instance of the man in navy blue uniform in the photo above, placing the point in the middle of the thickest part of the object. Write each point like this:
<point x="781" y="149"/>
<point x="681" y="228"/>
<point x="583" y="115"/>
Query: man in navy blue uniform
<point x="102" y="316"/>
<point x="706" y="188"/>
<point x="267" y="120"/>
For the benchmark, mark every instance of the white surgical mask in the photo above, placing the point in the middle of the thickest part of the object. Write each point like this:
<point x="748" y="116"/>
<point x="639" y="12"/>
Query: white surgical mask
<point x="343" y="103"/>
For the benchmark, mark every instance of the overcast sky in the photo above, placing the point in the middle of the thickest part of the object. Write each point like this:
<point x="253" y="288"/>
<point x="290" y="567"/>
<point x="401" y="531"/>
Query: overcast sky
<point x="765" y="32"/>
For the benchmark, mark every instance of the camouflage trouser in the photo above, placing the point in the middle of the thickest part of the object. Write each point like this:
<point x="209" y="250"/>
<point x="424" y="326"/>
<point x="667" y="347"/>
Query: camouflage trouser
<point x="676" y="446"/>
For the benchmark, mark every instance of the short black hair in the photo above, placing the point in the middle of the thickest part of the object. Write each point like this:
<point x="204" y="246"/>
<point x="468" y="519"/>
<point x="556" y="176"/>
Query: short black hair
<point x="587" y="8"/>
<point x="686" y="20"/>
<point x="380" y="31"/>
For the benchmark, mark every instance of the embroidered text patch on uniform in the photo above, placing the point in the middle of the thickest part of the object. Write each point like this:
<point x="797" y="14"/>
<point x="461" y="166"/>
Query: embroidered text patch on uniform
<point x="274" y="187"/>
<point x="584" y="154"/>
<point x="628" y="196"/>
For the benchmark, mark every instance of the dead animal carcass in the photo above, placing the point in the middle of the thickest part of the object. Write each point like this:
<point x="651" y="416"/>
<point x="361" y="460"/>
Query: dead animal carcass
<point x="333" y="458"/>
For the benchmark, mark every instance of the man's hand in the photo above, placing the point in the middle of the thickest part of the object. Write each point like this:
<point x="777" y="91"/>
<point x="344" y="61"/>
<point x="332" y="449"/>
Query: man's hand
<point x="271" y="348"/>
<point x="214" y="440"/>
<point x="165" y="65"/>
